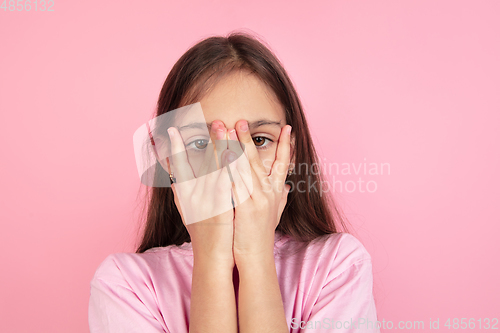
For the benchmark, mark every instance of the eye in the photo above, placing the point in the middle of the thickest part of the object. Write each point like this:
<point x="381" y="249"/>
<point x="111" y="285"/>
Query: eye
<point x="261" y="141"/>
<point x="197" y="145"/>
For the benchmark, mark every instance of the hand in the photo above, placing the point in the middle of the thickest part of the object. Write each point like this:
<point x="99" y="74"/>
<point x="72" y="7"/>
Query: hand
<point x="207" y="217"/>
<point x="256" y="219"/>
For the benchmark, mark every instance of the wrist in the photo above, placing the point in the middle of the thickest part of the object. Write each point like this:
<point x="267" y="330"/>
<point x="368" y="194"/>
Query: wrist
<point x="255" y="262"/>
<point x="251" y="252"/>
<point x="220" y="260"/>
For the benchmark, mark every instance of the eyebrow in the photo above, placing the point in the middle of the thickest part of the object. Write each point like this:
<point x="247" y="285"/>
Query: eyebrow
<point x="251" y="125"/>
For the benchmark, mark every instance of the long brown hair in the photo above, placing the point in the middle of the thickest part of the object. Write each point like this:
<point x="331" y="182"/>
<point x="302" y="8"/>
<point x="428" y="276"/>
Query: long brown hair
<point x="307" y="214"/>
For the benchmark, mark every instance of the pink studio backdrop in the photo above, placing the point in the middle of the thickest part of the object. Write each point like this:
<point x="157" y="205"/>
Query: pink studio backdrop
<point x="411" y="87"/>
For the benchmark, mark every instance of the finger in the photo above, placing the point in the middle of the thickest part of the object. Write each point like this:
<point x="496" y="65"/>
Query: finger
<point x="281" y="163"/>
<point x="221" y="192"/>
<point x="250" y="150"/>
<point x="233" y="143"/>
<point x="214" y="137"/>
<point x="241" y="191"/>
<point x="212" y="197"/>
<point x="248" y="175"/>
<point x="161" y="150"/>
<point x="177" y="203"/>
<point x="209" y="162"/>
<point x="243" y="177"/>
<point x="179" y="163"/>
<point x="212" y="177"/>
<point x="283" y="201"/>
<point x="218" y="144"/>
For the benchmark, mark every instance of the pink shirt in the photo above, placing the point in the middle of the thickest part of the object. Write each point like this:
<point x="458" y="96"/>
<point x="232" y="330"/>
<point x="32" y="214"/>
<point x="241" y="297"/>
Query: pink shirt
<point x="325" y="287"/>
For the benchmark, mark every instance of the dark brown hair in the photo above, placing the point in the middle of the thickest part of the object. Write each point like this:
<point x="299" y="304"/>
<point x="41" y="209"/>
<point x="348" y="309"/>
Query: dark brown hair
<point x="307" y="214"/>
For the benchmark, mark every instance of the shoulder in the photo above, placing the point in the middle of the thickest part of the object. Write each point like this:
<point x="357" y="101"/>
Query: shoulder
<point x="338" y="246"/>
<point x="129" y="268"/>
<point x="124" y="293"/>
<point x="338" y="279"/>
<point x="344" y="246"/>
<point x="342" y="250"/>
<point x="116" y="268"/>
<point x="343" y="264"/>
<point x="331" y="254"/>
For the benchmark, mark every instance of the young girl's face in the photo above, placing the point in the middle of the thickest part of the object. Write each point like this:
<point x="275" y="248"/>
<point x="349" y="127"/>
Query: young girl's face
<point x="241" y="95"/>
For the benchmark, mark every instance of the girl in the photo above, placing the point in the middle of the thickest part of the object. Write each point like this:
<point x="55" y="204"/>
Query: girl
<point x="242" y="241"/>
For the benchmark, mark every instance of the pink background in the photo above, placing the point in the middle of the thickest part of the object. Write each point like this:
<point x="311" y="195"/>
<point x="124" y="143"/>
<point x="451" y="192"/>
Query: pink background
<point x="411" y="83"/>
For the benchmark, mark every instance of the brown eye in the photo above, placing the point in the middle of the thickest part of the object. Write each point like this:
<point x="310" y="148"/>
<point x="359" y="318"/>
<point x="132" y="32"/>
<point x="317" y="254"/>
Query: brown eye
<point x="200" y="144"/>
<point x="258" y="141"/>
<point x="197" y="145"/>
<point x="261" y="141"/>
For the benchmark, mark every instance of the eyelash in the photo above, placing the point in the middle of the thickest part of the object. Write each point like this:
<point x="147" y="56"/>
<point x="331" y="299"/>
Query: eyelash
<point x="264" y="147"/>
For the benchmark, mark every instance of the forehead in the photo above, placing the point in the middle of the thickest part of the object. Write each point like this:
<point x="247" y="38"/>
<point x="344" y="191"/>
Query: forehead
<point x="241" y="95"/>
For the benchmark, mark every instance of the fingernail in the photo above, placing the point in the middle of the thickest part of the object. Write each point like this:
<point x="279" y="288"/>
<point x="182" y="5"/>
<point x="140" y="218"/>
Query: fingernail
<point x="221" y="133"/>
<point x="171" y="132"/>
<point x="215" y="126"/>
<point x="244" y="126"/>
<point x="289" y="129"/>
<point x="232" y="135"/>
